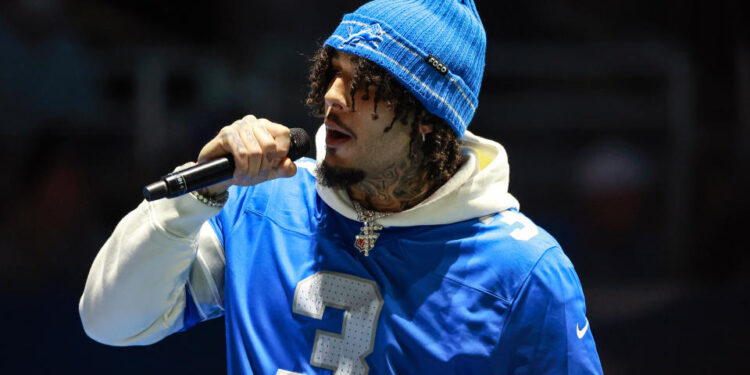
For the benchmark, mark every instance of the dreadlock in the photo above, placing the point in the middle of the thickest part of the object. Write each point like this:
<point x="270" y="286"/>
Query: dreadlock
<point x="441" y="151"/>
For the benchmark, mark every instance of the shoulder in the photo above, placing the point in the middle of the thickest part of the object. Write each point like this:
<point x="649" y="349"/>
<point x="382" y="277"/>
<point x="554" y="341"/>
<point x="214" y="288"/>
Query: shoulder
<point x="547" y="306"/>
<point x="510" y="247"/>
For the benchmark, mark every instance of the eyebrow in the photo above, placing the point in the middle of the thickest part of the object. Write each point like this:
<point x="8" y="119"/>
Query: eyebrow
<point x="336" y="62"/>
<point x="334" y="55"/>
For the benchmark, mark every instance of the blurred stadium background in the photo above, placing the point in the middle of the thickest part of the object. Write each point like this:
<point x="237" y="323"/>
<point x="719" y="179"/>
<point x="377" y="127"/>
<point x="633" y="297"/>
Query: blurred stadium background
<point x="627" y="124"/>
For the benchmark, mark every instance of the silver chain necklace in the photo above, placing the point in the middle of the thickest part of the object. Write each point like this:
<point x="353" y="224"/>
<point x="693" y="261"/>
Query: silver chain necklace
<point x="365" y="240"/>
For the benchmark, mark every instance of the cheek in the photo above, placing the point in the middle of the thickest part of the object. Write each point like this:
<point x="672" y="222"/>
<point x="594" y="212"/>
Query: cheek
<point x="393" y="144"/>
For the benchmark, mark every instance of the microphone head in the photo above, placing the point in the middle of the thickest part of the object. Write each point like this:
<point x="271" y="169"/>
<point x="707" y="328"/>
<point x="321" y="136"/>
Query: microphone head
<point x="299" y="143"/>
<point x="156" y="190"/>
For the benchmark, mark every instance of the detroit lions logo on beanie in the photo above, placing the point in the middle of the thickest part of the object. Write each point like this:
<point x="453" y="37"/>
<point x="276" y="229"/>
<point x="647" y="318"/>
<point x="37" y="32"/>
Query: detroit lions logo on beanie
<point x="370" y="35"/>
<point x="435" y="48"/>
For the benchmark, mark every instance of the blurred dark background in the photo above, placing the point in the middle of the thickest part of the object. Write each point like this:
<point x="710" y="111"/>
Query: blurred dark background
<point x="627" y="124"/>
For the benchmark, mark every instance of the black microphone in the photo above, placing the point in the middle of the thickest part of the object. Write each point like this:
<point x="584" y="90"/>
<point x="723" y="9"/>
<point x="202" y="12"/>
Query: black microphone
<point x="214" y="171"/>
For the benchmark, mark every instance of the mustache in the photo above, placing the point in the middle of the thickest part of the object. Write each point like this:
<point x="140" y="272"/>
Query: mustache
<point x="336" y="120"/>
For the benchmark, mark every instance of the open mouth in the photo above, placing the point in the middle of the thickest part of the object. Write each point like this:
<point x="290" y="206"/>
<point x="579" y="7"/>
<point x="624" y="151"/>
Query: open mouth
<point x="335" y="137"/>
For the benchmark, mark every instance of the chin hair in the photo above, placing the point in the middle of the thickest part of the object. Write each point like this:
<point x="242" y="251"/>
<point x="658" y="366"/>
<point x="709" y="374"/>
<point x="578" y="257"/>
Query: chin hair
<point x="338" y="177"/>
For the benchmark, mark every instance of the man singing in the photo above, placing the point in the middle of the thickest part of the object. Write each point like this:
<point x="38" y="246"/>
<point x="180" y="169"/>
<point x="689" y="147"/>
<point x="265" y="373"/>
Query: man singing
<point x="399" y="251"/>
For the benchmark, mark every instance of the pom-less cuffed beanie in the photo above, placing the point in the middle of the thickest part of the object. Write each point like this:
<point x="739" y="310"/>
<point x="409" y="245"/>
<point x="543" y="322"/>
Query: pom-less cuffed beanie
<point x="435" y="48"/>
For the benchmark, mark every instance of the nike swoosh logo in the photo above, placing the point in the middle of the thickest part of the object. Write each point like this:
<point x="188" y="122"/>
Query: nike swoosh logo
<point x="581" y="332"/>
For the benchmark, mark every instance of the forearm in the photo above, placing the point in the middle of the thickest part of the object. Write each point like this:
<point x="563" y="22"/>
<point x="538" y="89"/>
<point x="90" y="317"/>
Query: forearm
<point x="135" y="291"/>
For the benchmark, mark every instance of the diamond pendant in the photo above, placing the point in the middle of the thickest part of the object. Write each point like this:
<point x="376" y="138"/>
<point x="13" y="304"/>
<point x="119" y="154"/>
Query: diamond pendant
<point x="365" y="243"/>
<point x="365" y="240"/>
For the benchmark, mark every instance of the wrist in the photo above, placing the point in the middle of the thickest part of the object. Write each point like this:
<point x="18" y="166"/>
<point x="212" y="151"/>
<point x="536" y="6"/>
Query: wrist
<point x="211" y="200"/>
<point x="214" y="190"/>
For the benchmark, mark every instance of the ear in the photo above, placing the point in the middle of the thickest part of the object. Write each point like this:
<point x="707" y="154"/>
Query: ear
<point x="425" y="129"/>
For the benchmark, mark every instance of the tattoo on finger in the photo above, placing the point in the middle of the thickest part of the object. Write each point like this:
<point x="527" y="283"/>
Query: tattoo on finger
<point x="233" y="140"/>
<point x="263" y="129"/>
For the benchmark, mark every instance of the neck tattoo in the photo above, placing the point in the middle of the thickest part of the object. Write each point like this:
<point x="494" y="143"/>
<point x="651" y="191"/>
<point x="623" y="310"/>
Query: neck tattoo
<point x="397" y="188"/>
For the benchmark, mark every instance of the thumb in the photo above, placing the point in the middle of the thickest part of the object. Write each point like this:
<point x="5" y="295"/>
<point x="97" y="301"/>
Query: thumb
<point x="287" y="168"/>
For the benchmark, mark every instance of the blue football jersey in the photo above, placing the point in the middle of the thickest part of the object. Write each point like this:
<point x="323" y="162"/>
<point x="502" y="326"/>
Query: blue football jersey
<point x="489" y="296"/>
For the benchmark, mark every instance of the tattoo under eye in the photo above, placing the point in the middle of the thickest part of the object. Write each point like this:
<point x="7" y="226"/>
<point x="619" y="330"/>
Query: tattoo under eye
<point x="387" y="129"/>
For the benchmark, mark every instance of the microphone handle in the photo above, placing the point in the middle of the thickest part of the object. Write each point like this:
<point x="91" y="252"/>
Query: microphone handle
<point x="215" y="171"/>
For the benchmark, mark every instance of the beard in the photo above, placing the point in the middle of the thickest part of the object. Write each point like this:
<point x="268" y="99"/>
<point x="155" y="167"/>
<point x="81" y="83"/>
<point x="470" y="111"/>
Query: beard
<point x="338" y="177"/>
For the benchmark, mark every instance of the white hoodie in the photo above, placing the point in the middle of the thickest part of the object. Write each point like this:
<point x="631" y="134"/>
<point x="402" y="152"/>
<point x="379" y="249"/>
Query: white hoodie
<point x="135" y="291"/>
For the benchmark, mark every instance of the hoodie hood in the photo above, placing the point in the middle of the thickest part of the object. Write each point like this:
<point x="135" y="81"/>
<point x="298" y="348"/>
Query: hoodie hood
<point x="479" y="188"/>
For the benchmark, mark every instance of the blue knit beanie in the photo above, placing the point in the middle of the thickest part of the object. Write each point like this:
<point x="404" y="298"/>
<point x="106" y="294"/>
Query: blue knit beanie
<point x="435" y="48"/>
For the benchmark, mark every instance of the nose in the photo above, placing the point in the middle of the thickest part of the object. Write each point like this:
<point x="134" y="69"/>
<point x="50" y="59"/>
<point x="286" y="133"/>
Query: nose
<point x="336" y="97"/>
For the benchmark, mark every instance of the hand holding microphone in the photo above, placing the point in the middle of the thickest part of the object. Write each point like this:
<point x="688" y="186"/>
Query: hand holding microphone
<point x="248" y="152"/>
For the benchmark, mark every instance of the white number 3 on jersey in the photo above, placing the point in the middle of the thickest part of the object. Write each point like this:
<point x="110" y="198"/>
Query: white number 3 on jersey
<point x="361" y="301"/>
<point x="527" y="229"/>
